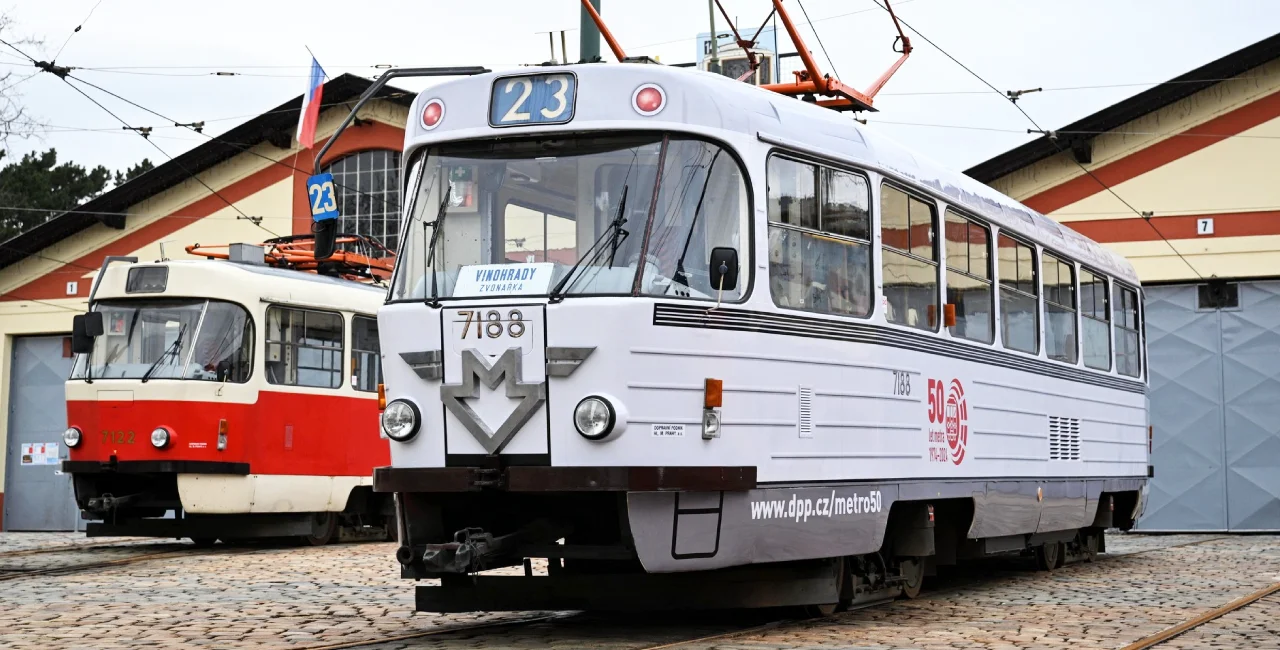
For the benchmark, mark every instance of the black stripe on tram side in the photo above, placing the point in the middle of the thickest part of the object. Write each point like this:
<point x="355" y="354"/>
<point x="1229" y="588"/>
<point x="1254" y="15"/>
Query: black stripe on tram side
<point x="741" y="320"/>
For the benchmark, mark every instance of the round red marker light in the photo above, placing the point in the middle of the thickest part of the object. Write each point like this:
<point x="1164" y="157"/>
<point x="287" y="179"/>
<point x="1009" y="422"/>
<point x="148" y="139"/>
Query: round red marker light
<point x="649" y="99"/>
<point x="432" y="114"/>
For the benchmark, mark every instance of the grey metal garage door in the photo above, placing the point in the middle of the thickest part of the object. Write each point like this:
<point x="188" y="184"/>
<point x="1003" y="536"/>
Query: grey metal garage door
<point x="37" y="496"/>
<point x="1215" y="408"/>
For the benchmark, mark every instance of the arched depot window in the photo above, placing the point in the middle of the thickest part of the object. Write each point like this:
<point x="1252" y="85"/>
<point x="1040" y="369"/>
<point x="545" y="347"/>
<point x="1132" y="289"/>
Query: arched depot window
<point x="368" y="188"/>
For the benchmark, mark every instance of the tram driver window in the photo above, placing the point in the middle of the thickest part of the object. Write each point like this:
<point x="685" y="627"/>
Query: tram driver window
<point x="1096" y="324"/>
<point x="366" y="364"/>
<point x="304" y="347"/>
<point x="1019" y="313"/>
<point x="969" y="277"/>
<point x="1128" y="350"/>
<point x="1059" y="308"/>
<point x="910" y="259"/>
<point x="819" y="230"/>
<point x="702" y="205"/>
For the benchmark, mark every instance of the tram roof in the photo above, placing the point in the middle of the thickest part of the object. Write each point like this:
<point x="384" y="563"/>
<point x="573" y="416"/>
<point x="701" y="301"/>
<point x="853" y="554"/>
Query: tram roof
<point x="710" y="101"/>
<point x="224" y="280"/>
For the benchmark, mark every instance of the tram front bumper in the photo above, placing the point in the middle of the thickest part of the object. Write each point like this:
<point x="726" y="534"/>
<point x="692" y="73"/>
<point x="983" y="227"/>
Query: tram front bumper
<point x="564" y="479"/>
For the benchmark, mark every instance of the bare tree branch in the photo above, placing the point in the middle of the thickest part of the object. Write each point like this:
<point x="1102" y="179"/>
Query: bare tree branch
<point x="14" y="120"/>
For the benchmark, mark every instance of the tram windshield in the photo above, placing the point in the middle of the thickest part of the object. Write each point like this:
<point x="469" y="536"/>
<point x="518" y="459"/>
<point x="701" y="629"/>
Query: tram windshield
<point x="570" y="217"/>
<point x="202" y="340"/>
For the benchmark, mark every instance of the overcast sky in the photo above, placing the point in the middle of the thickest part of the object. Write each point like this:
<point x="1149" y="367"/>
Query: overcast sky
<point x="1014" y="44"/>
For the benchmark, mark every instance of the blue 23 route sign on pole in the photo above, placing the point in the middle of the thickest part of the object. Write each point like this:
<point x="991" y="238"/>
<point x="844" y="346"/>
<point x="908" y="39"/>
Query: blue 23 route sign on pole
<point x="324" y="202"/>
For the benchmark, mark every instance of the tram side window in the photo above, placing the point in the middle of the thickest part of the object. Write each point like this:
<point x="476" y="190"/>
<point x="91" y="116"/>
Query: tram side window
<point x="1019" y="313"/>
<point x="1096" y="325"/>
<point x="910" y="259"/>
<point x="366" y="362"/>
<point x="304" y="347"/>
<point x="819" y="229"/>
<point x="969" y="277"/>
<point x="1128" y="351"/>
<point x="1059" y="280"/>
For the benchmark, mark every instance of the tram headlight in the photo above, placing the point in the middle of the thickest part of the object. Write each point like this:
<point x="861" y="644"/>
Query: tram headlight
<point x="71" y="437"/>
<point x="400" y="420"/>
<point x="594" y="418"/>
<point x="159" y="437"/>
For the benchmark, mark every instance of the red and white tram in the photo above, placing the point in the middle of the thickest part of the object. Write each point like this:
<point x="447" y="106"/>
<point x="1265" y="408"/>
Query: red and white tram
<point x="227" y="400"/>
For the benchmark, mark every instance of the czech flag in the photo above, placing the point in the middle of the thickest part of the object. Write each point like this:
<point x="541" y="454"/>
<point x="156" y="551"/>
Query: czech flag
<point x="311" y="106"/>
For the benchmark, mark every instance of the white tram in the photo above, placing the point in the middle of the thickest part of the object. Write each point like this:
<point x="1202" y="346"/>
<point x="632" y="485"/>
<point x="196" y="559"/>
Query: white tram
<point x="700" y="343"/>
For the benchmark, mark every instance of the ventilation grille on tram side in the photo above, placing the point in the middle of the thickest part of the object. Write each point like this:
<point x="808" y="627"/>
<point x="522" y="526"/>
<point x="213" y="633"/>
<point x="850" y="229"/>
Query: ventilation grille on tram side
<point x="1064" y="438"/>
<point x="806" y="412"/>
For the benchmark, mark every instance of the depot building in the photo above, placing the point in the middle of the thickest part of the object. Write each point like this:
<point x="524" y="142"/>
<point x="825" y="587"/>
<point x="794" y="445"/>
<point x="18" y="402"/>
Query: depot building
<point x="258" y="169"/>
<point x="1182" y="180"/>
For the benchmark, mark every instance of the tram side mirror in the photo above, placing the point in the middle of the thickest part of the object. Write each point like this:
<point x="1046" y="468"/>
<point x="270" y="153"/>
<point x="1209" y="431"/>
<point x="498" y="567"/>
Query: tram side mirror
<point x="724" y="268"/>
<point x="85" y="328"/>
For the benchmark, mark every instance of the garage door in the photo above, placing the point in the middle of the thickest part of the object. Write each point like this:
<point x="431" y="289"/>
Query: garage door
<point x="37" y="496"/>
<point x="1215" y="407"/>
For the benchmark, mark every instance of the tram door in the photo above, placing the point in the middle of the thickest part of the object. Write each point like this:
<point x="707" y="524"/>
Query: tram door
<point x="37" y="495"/>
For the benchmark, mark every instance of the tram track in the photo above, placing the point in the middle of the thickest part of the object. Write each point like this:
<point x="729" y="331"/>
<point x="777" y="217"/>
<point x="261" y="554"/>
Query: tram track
<point x="780" y="623"/>
<point x="66" y="548"/>
<point x="15" y="574"/>
<point x="1172" y="632"/>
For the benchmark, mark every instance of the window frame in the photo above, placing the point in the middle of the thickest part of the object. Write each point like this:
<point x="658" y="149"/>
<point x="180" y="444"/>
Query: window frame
<point x="342" y="349"/>
<point x="990" y="280"/>
<point x="376" y="353"/>
<point x="938" y="265"/>
<point x="393" y="217"/>
<point x="1035" y="282"/>
<point x="1117" y="287"/>
<point x="1070" y="263"/>
<point x="1106" y="309"/>
<point x="820" y="196"/>
<point x="415" y="173"/>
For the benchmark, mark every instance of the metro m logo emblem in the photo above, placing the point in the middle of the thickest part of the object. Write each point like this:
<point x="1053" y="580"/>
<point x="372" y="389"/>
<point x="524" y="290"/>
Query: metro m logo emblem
<point x="508" y="366"/>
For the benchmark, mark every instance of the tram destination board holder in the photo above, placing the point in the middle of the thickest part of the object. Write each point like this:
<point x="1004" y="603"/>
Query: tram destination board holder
<point x="326" y="225"/>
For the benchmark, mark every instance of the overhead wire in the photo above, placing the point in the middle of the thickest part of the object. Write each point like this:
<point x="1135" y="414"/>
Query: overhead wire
<point x="808" y="23"/>
<point x="1145" y="216"/>
<point x="49" y="68"/>
<point x="819" y="38"/>
<point x="241" y="147"/>
<point x="76" y="30"/>
<point x="257" y="221"/>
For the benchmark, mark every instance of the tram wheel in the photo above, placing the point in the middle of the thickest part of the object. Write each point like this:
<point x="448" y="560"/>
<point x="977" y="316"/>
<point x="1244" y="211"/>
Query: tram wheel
<point x="323" y="527"/>
<point x="913" y="571"/>
<point x="1049" y="556"/>
<point x="820" y="611"/>
<point x="1089" y="544"/>
<point x="204" y="542"/>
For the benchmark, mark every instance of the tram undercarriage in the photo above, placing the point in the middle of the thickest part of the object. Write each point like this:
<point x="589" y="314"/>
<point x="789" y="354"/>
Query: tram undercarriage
<point x="593" y="561"/>
<point x="138" y="504"/>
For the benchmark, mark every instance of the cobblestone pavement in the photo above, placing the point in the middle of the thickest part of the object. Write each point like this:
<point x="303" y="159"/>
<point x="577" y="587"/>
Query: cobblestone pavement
<point x="23" y="542"/>
<point x="291" y="597"/>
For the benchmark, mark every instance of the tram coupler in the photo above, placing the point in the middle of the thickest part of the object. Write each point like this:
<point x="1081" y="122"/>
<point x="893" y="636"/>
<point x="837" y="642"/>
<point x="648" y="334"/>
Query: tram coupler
<point x="472" y="548"/>
<point x="108" y="502"/>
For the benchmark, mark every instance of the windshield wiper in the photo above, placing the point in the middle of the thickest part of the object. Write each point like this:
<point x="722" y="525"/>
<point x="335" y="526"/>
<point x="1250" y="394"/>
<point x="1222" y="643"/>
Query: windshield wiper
<point x="436" y="227"/>
<point x="613" y="230"/>
<point x="680" y="275"/>
<point x="171" y="350"/>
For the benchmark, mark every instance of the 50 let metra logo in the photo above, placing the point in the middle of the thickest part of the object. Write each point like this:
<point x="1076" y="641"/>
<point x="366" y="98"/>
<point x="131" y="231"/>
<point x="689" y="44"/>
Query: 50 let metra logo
<point x="948" y="421"/>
